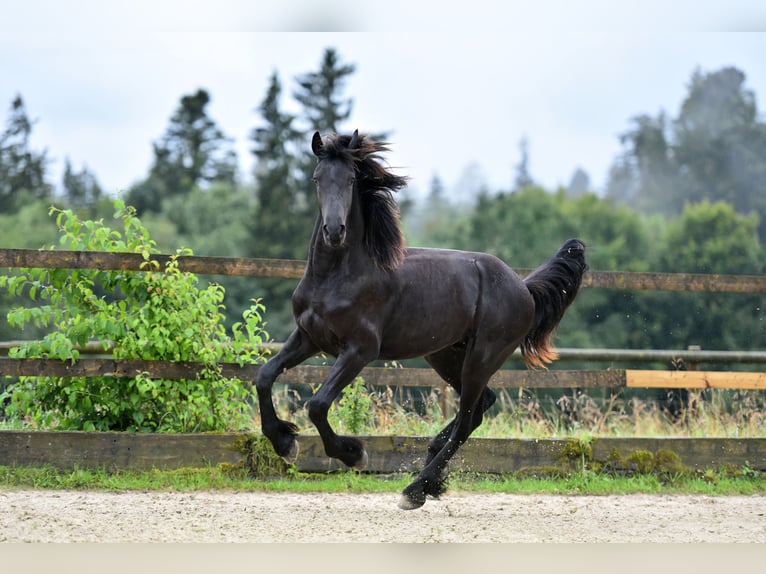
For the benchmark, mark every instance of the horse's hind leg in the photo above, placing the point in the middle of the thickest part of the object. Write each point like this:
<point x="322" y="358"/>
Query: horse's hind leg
<point x="448" y="363"/>
<point x="430" y="481"/>
<point x="476" y="371"/>
<point x="281" y="433"/>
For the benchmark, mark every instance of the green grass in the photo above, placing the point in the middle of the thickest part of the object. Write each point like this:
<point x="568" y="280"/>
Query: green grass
<point x="233" y="479"/>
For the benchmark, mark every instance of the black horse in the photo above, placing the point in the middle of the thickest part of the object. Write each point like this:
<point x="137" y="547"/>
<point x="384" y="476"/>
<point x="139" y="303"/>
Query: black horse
<point x="364" y="296"/>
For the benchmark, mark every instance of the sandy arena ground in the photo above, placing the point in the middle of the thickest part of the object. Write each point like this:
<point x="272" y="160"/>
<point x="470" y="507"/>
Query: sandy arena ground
<point x="56" y="516"/>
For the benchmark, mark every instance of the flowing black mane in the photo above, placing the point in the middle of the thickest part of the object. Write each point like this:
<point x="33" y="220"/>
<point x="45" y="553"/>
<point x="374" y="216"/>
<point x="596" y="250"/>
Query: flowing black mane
<point x="375" y="184"/>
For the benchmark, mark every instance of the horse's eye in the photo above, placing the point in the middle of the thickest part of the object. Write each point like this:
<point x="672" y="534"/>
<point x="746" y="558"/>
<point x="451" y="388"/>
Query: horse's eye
<point x="315" y="181"/>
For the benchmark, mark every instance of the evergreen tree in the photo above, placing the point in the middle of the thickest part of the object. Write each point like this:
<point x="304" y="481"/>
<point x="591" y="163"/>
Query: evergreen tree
<point x="580" y="183"/>
<point x="80" y="188"/>
<point x="646" y="177"/>
<point x="523" y="178"/>
<point x="22" y="170"/>
<point x="192" y="152"/>
<point x="284" y="213"/>
<point x="319" y="94"/>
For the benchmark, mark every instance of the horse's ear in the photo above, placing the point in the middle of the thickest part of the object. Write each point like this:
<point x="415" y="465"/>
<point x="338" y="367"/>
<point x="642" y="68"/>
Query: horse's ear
<point x="354" y="143"/>
<point x="316" y="144"/>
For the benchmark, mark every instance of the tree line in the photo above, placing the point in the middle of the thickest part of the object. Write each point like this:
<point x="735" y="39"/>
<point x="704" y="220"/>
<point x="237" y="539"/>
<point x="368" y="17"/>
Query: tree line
<point x="686" y="194"/>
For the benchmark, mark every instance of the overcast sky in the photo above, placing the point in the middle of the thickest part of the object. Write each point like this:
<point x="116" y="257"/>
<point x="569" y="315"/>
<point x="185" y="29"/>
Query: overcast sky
<point x="456" y="87"/>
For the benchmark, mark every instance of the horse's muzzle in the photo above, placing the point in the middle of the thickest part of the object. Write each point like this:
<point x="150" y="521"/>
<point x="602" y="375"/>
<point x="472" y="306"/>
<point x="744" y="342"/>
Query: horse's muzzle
<point x="334" y="235"/>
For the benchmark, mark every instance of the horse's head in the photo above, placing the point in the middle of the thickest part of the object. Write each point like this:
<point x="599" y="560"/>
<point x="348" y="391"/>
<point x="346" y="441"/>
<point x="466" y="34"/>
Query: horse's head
<point x="335" y="179"/>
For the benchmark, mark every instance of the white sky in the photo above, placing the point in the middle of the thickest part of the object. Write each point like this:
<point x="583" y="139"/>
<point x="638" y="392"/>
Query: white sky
<point x="455" y="86"/>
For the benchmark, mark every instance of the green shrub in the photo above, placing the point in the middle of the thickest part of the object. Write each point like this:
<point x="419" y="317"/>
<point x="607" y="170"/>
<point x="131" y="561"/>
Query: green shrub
<point x="354" y="412"/>
<point x="155" y="314"/>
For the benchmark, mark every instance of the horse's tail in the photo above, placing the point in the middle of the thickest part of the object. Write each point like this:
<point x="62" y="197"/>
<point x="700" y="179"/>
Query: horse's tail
<point x="553" y="286"/>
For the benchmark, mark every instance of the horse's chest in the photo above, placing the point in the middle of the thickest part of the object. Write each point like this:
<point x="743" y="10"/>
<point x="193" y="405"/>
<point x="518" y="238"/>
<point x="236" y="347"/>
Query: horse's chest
<point x="326" y="319"/>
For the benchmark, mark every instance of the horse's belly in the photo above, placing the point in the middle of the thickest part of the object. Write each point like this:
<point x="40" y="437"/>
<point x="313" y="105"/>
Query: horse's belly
<point x="417" y="334"/>
<point x="399" y="351"/>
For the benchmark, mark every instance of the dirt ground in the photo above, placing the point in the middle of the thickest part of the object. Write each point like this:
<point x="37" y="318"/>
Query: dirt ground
<point x="64" y="516"/>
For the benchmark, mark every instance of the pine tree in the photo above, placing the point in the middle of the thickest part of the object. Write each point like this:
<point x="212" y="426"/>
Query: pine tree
<point x="22" y="170"/>
<point x="283" y="216"/>
<point x="523" y="177"/>
<point x="319" y="94"/>
<point x="282" y="222"/>
<point x="192" y="152"/>
<point x="80" y="188"/>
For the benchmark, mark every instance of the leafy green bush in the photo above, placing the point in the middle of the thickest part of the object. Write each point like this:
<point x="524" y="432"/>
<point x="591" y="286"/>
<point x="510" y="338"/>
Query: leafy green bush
<point x="155" y="314"/>
<point x="354" y="413"/>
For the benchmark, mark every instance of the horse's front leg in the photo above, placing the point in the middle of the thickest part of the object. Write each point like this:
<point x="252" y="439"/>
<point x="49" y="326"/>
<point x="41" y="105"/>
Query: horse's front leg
<point x="348" y="450"/>
<point x="296" y="349"/>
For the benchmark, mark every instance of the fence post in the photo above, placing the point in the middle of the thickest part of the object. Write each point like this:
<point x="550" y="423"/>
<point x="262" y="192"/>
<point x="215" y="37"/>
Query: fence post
<point x="692" y="365"/>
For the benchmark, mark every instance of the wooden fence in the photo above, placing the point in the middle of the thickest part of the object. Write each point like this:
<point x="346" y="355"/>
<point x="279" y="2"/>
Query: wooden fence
<point x="387" y="454"/>
<point x="293" y="269"/>
<point x="25" y="447"/>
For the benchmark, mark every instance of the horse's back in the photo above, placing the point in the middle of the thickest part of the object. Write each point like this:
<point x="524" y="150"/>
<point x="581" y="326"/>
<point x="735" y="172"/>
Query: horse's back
<point x="447" y="265"/>
<point x="505" y="305"/>
<point x="442" y="296"/>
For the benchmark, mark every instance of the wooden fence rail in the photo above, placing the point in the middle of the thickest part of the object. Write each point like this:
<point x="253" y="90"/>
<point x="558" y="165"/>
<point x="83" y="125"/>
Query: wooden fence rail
<point x="391" y="377"/>
<point x="293" y="269"/>
<point x="388" y="454"/>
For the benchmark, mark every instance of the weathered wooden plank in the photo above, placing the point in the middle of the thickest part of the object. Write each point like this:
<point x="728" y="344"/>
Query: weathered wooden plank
<point x="695" y="452"/>
<point x="709" y="283"/>
<point x="391" y="377"/>
<point x="407" y="454"/>
<point x="114" y="450"/>
<point x="306" y="374"/>
<point x="410" y="377"/>
<point x="695" y="379"/>
<point x="559" y="379"/>
<point x="116" y="368"/>
<point x="387" y="454"/>
<point x="293" y="269"/>
<point x="314" y="375"/>
<point x="237" y="266"/>
<point x="501" y="455"/>
<point x="689" y="356"/>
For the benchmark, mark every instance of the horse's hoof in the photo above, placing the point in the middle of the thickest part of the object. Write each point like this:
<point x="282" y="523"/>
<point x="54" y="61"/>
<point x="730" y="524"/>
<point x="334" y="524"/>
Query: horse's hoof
<point x="292" y="454"/>
<point x="411" y="503"/>
<point x="362" y="464"/>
